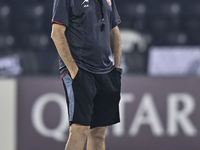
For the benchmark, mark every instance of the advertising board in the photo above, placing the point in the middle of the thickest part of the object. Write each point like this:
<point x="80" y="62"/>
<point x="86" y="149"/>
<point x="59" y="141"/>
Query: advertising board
<point x="156" y="114"/>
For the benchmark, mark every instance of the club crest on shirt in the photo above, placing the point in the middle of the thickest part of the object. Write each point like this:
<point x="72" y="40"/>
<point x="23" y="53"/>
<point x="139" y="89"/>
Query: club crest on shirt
<point x="109" y="2"/>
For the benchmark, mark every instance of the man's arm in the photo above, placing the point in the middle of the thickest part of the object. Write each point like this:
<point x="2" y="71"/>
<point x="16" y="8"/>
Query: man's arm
<point x="59" y="38"/>
<point x="115" y="42"/>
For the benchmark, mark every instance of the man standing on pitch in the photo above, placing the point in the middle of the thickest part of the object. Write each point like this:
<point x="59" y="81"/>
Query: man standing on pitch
<point x="85" y="32"/>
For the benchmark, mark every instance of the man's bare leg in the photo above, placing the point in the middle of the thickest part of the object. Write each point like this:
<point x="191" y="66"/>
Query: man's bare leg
<point x="96" y="139"/>
<point x="77" y="137"/>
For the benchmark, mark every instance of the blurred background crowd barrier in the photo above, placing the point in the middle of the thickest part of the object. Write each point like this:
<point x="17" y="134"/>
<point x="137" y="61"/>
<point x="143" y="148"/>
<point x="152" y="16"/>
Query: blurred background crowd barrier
<point x="160" y="85"/>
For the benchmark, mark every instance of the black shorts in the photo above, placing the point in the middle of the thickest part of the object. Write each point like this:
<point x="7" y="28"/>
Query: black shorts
<point x="92" y="99"/>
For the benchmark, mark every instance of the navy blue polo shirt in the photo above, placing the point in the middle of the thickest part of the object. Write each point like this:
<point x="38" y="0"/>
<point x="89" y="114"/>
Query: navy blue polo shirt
<point x="88" y="43"/>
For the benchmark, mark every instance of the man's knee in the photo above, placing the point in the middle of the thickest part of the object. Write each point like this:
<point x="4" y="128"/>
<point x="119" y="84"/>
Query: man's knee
<point x="98" y="133"/>
<point x="79" y="129"/>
